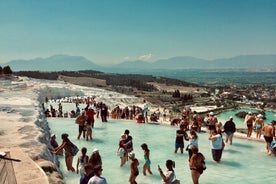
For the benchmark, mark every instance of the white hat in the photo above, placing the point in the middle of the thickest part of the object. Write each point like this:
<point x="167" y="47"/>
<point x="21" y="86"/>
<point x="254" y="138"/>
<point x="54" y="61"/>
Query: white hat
<point x="211" y="114"/>
<point x="52" y="135"/>
<point x="249" y="112"/>
<point x="95" y="150"/>
<point x="131" y="155"/>
<point x="260" y="116"/>
<point x="231" y="117"/>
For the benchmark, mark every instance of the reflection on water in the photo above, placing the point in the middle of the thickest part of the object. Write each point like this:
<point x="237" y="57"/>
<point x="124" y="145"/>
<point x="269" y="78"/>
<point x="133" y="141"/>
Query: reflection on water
<point x="243" y="162"/>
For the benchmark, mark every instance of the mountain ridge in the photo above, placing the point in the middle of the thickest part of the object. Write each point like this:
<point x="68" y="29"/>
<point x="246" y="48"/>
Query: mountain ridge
<point x="75" y="63"/>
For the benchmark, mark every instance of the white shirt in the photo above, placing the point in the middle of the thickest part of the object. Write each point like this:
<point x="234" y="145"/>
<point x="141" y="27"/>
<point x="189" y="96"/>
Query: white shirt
<point x="97" y="180"/>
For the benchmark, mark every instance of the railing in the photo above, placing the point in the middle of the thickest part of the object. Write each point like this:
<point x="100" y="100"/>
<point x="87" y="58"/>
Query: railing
<point x="7" y="175"/>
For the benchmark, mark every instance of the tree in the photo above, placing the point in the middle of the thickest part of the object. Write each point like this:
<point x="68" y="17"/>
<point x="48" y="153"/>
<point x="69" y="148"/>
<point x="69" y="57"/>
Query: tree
<point x="7" y="70"/>
<point x="1" y="69"/>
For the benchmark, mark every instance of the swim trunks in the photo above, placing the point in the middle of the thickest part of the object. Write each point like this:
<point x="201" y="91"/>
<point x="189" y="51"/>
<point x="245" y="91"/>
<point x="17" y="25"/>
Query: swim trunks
<point x="268" y="139"/>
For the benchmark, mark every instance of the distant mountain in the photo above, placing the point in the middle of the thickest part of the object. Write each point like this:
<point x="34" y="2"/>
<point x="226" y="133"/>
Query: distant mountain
<point x="53" y="63"/>
<point x="75" y="63"/>
<point x="185" y="62"/>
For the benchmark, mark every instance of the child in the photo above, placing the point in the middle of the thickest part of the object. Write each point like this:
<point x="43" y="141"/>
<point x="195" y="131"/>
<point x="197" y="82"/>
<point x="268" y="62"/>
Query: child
<point x="82" y="161"/>
<point x="147" y="159"/>
<point x="134" y="172"/>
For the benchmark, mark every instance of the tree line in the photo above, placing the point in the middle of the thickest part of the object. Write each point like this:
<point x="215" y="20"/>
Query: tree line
<point x="5" y="70"/>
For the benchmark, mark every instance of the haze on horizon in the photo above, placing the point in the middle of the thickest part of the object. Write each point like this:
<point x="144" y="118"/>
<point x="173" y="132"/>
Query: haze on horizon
<point x="111" y="31"/>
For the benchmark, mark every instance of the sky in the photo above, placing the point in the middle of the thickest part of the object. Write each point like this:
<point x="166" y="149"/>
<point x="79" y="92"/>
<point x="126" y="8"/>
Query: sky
<point x="113" y="31"/>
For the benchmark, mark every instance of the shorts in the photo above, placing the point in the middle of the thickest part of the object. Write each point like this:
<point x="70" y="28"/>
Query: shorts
<point x="81" y="129"/>
<point x="212" y="127"/>
<point x="216" y="154"/>
<point x="268" y="139"/>
<point x="229" y="133"/>
<point x="179" y="145"/>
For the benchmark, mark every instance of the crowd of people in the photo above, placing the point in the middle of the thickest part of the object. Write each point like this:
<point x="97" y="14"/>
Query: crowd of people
<point x="90" y="168"/>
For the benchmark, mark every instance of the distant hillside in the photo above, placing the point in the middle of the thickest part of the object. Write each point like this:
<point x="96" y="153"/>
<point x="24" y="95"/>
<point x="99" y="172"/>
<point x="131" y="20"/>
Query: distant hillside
<point x="76" y="63"/>
<point x="53" y="63"/>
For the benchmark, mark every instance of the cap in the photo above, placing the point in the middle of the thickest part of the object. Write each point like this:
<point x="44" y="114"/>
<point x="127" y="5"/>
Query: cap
<point x="231" y="117"/>
<point x="52" y="135"/>
<point x="211" y="113"/>
<point x="249" y="112"/>
<point x="95" y="150"/>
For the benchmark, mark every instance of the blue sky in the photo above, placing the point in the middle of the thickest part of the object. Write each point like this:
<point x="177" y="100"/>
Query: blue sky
<point x="111" y="31"/>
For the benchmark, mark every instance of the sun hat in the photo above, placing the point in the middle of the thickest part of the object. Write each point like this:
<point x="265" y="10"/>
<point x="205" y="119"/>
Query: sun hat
<point x="131" y="155"/>
<point x="259" y="116"/>
<point x="95" y="150"/>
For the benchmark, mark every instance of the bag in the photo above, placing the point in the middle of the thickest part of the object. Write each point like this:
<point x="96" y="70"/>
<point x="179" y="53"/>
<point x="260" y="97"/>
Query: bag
<point x="74" y="149"/>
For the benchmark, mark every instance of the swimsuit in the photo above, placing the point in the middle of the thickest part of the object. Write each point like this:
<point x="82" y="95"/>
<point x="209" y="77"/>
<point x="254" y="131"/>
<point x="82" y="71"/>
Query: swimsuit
<point x="148" y="162"/>
<point x="268" y="139"/>
<point x="258" y="126"/>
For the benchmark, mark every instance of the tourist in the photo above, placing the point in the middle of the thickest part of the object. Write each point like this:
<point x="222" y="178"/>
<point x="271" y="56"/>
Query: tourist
<point x="88" y="173"/>
<point x="212" y="120"/>
<point x="104" y="112"/>
<point x="66" y="145"/>
<point x="145" y="110"/>
<point x="81" y="120"/>
<point x="229" y="129"/>
<point x="259" y="123"/>
<point x="273" y="147"/>
<point x="169" y="176"/>
<point x="97" y="178"/>
<point x="134" y="172"/>
<point x="90" y="113"/>
<point x="122" y="152"/>
<point x="217" y="145"/>
<point x="128" y="142"/>
<point x="147" y="164"/>
<point x="193" y="142"/>
<point x="95" y="158"/>
<point x="82" y="161"/>
<point x="54" y="144"/>
<point x="249" y="120"/>
<point x="269" y="133"/>
<point x="197" y="164"/>
<point x="179" y="139"/>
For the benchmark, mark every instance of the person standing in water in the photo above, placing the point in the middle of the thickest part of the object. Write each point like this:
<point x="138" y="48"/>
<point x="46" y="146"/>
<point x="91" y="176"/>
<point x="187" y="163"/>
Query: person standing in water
<point x="229" y="129"/>
<point x="134" y="172"/>
<point x="249" y="120"/>
<point x="269" y="133"/>
<point x="259" y="123"/>
<point x="66" y="145"/>
<point x="145" y="110"/>
<point x="147" y="164"/>
<point x="179" y="139"/>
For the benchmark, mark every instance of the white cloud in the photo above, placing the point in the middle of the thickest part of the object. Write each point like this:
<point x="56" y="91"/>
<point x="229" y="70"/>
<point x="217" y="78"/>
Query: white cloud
<point x="126" y="58"/>
<point x="145" y="57"/>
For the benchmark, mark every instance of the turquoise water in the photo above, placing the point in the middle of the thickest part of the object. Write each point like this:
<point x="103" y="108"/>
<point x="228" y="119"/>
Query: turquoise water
<point x="223" y="117"/>
<point x="243" y="162"/>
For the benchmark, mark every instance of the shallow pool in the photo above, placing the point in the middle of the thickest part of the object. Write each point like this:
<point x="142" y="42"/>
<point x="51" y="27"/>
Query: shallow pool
<point x="243" y="162"/>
